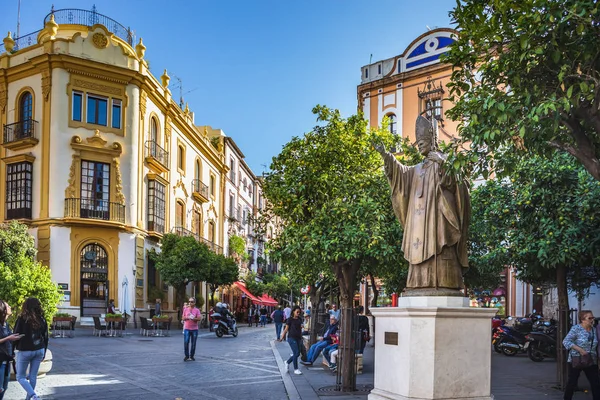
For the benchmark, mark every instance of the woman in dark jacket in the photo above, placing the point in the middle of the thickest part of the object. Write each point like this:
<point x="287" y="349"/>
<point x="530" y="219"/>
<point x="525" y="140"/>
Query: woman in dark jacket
<point x="6" y="349"/>
<point x="32" y="346"/>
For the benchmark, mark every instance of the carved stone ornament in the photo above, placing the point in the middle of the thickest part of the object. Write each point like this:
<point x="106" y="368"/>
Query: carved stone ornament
<point x="180" y="184"/>
<point x="97" y="87"/>
<point x="70" y="191"/>
<point x="167" y="132"/>
<point x="100" y="40"/>
<point x="46" y="84"/>
<point x="119" y="183"/>
<point x="143" y="101"/>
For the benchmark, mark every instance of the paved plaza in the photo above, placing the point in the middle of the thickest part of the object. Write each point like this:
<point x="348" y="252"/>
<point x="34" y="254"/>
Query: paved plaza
<point x="250" y="366"/>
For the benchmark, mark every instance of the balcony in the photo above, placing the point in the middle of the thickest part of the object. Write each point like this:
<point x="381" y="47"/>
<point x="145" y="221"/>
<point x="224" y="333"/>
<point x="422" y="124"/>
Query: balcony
<point x="234" y="214"/>
<point x="181" y="231"/>
<point x="20" y="135"/>
<point x="157" y="158"/>
<point x="199" y="191"/>
<point x="94" y="209"/>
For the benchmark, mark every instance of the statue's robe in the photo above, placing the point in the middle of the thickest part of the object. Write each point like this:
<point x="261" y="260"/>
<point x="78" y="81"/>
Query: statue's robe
<point x="434" y="211"/>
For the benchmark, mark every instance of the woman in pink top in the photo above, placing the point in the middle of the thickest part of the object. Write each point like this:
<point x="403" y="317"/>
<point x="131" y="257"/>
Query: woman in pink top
<point x="190" y="316"/>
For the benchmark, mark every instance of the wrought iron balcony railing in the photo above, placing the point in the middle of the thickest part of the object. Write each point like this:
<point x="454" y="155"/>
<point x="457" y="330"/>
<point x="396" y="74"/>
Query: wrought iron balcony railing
<point x="157" y="152"/>
<point x="20" y="130"/>
<point x="199" y="187"/>
<point x="89" y="18"/>
<point x="181" y="231"/>
<point x="94" y="209"/>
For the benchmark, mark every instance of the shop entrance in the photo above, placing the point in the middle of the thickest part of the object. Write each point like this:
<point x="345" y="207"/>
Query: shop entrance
<point x="94" y="280"/>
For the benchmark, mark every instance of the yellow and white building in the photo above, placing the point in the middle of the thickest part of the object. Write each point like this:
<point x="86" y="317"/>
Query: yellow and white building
<point x="100" y="161"/>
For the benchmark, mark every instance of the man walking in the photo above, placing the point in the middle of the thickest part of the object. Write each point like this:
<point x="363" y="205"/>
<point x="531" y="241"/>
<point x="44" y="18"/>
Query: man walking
<point x="287" y="312"/>
<point x="277" y="317"/>
<point x="191" y="316"/>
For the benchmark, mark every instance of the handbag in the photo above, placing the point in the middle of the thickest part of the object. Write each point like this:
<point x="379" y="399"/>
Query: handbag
<point x="582" y="361"/>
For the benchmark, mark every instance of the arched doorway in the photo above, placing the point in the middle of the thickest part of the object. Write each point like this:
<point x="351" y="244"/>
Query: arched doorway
<point x="94" y="280"/>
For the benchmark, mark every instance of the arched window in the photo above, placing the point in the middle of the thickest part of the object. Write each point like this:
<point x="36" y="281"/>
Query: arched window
<point x="197" y="223"/>
<point x="153" y="130"/>
<point x="26" y="114"/>
<point x="211" y="231"/>
<point x="197" y="170"/>
<point x="93" y="265"/>
<point x="393" y="122"/>
<point x="181" y="158"/>
<point x="179" y="214"/>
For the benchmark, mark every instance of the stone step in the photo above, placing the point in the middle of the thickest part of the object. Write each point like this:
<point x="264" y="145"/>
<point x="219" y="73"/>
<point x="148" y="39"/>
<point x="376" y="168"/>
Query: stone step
<point x="86" y="321"/>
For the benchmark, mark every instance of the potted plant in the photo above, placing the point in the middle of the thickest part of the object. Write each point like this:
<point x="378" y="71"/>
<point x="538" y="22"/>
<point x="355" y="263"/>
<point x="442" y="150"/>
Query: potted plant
<point x="62" y="317"/>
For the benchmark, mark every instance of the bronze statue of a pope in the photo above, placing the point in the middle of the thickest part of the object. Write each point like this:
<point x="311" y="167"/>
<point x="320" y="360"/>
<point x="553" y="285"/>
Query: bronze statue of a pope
<point x="434" y="208"/>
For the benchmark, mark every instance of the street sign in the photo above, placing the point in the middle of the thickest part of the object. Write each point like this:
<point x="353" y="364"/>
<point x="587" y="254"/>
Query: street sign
<point x="305" y="290"/>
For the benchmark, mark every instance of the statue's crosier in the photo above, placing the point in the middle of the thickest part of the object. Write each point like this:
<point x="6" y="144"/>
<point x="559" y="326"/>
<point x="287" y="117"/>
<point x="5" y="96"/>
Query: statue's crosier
<point x="434" y="209"/>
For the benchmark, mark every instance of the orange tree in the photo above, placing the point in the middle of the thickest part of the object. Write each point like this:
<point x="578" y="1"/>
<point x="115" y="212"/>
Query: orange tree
<point x="526" y="78"/>
<point x="329" y="189"/>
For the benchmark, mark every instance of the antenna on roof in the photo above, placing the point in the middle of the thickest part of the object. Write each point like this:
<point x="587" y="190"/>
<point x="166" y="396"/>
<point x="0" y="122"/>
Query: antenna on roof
<point x="371" y="58"/>
<point x="428" y="28"/>
<point x="181" y="93"/>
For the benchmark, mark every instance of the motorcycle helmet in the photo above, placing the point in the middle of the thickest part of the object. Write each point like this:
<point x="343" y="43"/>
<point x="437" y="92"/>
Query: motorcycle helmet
<point x="219" y="304"/>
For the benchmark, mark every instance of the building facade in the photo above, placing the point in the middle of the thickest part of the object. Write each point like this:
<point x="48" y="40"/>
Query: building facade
<point x="100" y="162"/>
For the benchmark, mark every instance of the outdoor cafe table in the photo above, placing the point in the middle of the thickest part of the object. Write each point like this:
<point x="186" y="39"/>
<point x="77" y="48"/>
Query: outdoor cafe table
<point x="61" y="327"/>
<point x="158" y="323"/>
<point x="114" y="324"/>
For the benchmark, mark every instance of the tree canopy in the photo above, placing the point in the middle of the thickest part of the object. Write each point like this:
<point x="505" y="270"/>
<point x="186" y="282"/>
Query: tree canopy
<point x="22" y="276"/>
<point x="545" y="221"/>
<point x="329" y="190"/>
<point x="526" y="79"/>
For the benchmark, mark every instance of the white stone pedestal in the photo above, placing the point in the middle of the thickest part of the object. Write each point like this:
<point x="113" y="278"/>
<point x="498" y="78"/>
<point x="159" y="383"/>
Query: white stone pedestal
<point x="432" y="348"/>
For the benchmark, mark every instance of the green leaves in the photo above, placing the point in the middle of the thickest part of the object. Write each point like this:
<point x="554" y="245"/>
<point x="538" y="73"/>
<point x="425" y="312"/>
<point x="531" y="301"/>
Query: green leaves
<point x="538" y="66"/>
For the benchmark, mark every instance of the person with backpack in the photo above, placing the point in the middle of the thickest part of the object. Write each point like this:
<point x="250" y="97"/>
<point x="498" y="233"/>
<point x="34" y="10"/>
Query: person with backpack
<point x="32" y="344"/>
<point x="7" y="353"/>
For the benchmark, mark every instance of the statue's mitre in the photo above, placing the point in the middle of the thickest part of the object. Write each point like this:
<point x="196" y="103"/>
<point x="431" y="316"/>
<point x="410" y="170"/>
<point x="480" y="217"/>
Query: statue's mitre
<point x="424" y="129"/>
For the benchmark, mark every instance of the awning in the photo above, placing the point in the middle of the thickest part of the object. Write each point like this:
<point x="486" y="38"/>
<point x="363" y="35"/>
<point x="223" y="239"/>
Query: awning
<point x="244" y="289"/>
<point x="268" y="300"/>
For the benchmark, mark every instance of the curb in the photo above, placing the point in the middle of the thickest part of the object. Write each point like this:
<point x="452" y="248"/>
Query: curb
<point x="290" y="388"/>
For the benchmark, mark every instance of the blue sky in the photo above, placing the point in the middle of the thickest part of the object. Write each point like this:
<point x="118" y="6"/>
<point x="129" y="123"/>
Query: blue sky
<point x="256" y="68"/>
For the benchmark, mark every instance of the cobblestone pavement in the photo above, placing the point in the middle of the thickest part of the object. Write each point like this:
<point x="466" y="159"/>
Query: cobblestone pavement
<point x="247" y="367"/>
<point x="136" y="367"/>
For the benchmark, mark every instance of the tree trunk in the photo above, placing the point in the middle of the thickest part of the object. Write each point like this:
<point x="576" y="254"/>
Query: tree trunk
<point x="180" y="297"/>
<point x="563" y="324"/>
<point x="345" y="273"/>
<point x="315" y="299"/>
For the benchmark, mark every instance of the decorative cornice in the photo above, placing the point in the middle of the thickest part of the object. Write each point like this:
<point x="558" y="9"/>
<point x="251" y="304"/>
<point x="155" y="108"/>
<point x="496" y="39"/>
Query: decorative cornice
<point x="19" y="158"/>
<point x="97" y="76"/>
<point x="180" y="184"/>
<point x="97" y="144"/>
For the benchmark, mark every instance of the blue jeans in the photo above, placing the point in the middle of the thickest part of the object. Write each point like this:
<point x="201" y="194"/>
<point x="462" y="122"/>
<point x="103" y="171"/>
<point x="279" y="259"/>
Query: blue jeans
<point x="315" y="350"/>
<point x="278" y="326"/>
<point x="189" y="335"/>
<point x="263" y="320"/>
<point x="295" y="346"/>
<point x="327" y="352"/>
<point x="31" y="359"/>
<point x="4" y="377"/>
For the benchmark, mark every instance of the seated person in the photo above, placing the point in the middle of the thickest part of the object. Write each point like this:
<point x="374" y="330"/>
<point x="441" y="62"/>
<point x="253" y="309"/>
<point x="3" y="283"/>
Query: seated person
<point x="222" y="309"/>
<point x="306" y="325"/>
<point x="327" y="340"/>
<point x="333" y="360"/>
<point x="329" y="349"/>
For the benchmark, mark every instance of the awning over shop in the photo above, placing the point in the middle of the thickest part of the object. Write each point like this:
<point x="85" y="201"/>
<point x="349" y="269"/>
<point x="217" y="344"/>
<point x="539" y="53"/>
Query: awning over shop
<point x="244" y="289"/>
<point x="268" y="300"/>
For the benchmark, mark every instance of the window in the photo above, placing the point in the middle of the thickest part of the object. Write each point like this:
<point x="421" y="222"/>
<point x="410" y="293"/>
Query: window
<point x="181" y="158"/>
<point x="77" y="106"/>
<point x="232" y="170"/>
<point x="95" y="190"/>
<point x="97" y="110"/>
<point x="379" y="69"/>
<point x="26" y="114"/>
<point x="153" y="130"/>
<point x="156" y="206"/>
<point x="393" y="123"/>
<point x="196" y="223"/>
<point x="197" y="170"/>
<point x="212" y="185"/>
<point x="367" y="72"/>
<point x="18" y="190"/>
<point x="116" y="114"/>
<point x="211" y="231"/>
<point x="179" y="214"/>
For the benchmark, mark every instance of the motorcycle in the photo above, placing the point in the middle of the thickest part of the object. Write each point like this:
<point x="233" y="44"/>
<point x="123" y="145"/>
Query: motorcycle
<point x="221" y="328"/>
<point x="510" y="341"/>
<point x="542" y="344"/>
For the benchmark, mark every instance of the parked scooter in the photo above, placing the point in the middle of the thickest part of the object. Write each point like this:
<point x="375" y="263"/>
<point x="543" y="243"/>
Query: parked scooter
<point x="542" y="344"/>
<point x="510" y="341"/>
<point x="221" y="328"/>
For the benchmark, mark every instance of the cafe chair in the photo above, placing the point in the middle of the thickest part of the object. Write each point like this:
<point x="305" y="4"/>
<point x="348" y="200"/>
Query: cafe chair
<point x="147" y="327"/>
<point x="98" y="327"/>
